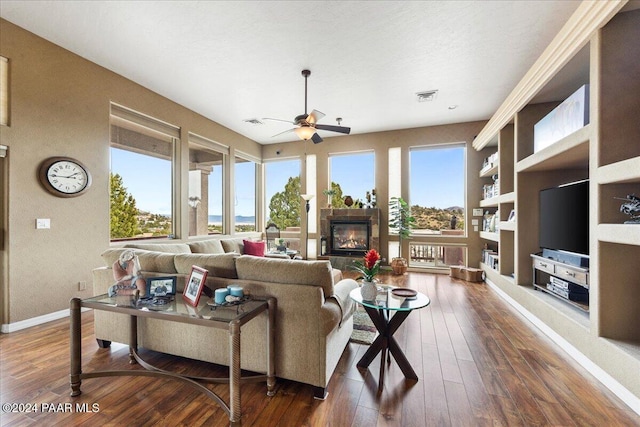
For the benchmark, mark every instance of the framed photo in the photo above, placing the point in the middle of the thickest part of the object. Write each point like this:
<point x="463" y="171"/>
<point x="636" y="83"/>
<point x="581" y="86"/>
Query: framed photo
<point x="193" y="287"/>
<point x="161" y="286"/>
<point x="512" y="215"/>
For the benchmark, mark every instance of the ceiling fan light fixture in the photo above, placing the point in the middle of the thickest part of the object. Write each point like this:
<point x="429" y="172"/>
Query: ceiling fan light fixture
<point x="305" y="132"/>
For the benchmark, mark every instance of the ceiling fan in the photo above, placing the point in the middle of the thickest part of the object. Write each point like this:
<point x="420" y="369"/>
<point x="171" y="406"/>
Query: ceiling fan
<point x="307" y="124"/>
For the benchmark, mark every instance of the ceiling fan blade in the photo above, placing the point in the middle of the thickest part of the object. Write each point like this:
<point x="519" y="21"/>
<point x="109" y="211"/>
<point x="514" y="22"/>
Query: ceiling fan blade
<point x="340" y="129"/>
<point x="314" y="117"/>
<point x="316" y="138"/>
<point x="278" y="120"/>
<point x="282" y="133"/>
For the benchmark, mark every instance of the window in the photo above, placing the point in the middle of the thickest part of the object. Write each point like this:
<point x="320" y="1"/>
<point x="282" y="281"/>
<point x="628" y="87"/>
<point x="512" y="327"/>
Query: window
<point x="437" y="189"/>
<point x="354" y="173"/>
<point x="142" y="152"/>
<point x="245" y="190"/>
<point x="282" y="193"/>
<point x="206" y="191"/>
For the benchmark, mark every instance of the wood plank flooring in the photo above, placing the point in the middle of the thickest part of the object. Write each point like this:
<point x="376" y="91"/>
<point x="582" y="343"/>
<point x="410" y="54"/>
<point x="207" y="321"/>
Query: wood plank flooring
<point x="479" y="362"/>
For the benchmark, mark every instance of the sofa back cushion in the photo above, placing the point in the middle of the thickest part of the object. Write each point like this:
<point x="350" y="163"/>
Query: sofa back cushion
<point x="212" y="246"/>
<point x="172" y="248"/>
<point x="233" y="245"/>
<point x="286" y="271"/>
<point x="218" y="265"/>
<point x="159" y="262"/>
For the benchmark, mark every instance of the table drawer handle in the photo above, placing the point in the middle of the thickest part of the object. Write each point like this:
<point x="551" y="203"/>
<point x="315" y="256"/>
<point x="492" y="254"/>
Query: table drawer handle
<point x="568" y="273"/>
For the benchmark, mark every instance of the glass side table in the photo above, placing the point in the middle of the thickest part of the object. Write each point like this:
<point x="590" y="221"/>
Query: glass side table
<point x="230" y="318"/>
<point x="387" y="312"/>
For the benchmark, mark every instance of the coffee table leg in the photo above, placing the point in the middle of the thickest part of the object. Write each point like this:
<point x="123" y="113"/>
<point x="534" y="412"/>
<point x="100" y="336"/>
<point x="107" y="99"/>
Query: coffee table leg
<point x="133" y="339"/>
<point x="271" y="348"/>
<point x="75" y="347"/>
<point x="234" y="374"/>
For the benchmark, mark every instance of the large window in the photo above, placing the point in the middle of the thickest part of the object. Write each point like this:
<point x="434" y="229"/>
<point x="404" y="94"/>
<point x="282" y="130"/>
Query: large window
<point x="142" y="152"/>
<point x="437" y="189"/>
<point x="206" y="191"/>
<point x="245" y="190"/>
<point x="282" y="193"/>
<point x="352" y="175"/>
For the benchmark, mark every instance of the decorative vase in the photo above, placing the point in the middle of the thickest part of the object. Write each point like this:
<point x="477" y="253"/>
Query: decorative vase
<point x="369" y="290"/>
<point x="399" y="265"/>
<point x="348" y="201"/>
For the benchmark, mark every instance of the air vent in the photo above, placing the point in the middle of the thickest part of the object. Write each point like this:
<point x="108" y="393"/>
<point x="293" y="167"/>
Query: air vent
<point x="427" y="95"/>
<point x="253" y="121"/>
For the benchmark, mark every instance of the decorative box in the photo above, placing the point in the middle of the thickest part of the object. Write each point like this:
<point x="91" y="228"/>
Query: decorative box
<point x="565" y="119"/>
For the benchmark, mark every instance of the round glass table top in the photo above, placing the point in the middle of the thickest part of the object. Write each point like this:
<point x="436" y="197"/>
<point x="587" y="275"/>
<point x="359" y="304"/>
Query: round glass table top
<point x="386" y="300"/>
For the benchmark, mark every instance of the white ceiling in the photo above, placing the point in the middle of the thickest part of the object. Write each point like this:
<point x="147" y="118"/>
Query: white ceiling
<point x="231" y="61"/>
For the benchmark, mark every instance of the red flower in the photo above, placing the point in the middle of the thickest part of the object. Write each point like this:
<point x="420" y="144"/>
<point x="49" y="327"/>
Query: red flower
<point x="370" y="258"/>
<point x="370" y="267"/>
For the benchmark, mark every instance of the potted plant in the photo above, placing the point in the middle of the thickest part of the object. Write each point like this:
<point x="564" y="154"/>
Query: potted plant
<point x="400" y="220"/>
<point x="368" y="268"/>
<point x="281" y="247"/>
<point x="329" y="193"/>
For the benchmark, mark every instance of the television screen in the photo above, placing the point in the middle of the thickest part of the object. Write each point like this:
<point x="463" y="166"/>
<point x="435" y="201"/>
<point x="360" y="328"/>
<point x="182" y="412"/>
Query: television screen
<point x="564" y="218"/>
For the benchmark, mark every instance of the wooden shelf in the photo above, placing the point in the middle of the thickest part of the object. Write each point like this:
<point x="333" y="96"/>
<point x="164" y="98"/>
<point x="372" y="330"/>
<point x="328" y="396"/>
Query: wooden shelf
<point x="624" y="234"/>
<point x="495" y="201"/>
<point x="487" y="235"/>
<point x="625" y="171"/>
<point x="507" y="226"/>
<point x="487" y="173"/>
<point x="571" y="152"/>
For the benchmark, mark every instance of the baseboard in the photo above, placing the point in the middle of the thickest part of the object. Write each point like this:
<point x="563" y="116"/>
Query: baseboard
<point x="35" y="321"/>
<point x="607" y="380"/>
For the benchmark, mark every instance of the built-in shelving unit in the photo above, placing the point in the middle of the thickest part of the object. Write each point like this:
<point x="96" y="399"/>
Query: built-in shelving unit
<point x="599" y="48"/>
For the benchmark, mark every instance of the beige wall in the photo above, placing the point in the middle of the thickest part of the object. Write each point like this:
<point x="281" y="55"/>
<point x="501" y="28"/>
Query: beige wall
<point x="60" y="106"/>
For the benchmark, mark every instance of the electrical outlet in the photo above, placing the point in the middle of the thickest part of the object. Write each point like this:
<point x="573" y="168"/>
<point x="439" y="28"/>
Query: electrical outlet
<point x="82" y="285"/>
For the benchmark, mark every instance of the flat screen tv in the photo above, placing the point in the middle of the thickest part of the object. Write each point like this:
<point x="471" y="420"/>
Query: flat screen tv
<point x="564" y="218"/>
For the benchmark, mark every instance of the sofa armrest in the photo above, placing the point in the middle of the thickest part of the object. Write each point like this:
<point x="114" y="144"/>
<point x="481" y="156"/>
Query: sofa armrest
<point x="341" y="296"/>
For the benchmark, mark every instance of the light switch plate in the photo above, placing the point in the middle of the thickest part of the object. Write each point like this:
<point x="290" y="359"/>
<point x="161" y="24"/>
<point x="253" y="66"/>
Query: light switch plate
<point x="475" y="228"/>
<point x="477" y="211"/>
<point x="43" y="223"/>
<point x="475" y="222"/>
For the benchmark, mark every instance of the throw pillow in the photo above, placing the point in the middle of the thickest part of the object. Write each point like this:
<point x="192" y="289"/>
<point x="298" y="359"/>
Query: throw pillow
<point x="254" y="248"/>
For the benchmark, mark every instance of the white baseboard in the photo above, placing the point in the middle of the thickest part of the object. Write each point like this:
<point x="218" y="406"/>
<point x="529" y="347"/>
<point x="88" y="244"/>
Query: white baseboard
<point x="607" y="380"/>
<point x="34" y="321"/>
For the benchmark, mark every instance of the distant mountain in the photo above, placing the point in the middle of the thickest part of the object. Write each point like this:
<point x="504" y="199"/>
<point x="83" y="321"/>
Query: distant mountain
<point x="217" y="219"/>
<point x="436" y="218"/>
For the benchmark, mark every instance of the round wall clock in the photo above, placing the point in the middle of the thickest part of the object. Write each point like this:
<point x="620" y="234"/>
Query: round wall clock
<point x="64" y="176"/>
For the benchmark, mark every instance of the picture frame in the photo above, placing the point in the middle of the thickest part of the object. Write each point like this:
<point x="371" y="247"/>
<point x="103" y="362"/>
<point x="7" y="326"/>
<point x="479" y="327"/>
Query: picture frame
<point x="195" y="284"/>
<point x="512" y="215"/>
<point x="161" y="286"/>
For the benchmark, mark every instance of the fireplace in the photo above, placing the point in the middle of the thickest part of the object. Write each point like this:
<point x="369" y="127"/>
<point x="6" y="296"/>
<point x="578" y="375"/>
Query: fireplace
<point x="349" y="237"/>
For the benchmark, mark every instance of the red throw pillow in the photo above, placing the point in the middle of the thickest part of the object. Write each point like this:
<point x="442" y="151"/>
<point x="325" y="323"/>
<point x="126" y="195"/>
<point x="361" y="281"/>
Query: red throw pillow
<point x="254" y="248"/>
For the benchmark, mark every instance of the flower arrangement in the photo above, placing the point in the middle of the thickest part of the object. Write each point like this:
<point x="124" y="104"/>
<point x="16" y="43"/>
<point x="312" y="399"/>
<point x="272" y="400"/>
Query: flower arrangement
<point x="370" y="267"/>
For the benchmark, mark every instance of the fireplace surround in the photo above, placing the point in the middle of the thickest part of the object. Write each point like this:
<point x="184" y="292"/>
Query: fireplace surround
<point x="350" y="232"/>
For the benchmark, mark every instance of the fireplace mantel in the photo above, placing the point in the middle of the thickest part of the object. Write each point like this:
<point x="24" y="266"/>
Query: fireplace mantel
<point x="354" y="214"/>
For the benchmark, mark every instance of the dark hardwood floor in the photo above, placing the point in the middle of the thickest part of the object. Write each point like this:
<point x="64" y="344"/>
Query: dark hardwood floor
<point x="480" y="363"/>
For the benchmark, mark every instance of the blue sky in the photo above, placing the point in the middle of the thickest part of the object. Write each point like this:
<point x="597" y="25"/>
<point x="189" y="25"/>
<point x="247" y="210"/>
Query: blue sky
<point x="437" y="179"/>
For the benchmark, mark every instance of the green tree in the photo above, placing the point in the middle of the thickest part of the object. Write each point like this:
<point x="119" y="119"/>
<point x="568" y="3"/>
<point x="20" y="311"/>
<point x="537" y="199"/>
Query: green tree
<point x="337" y="201"/>
<point x="124" y="219"/>
<point x="284" y="206"/>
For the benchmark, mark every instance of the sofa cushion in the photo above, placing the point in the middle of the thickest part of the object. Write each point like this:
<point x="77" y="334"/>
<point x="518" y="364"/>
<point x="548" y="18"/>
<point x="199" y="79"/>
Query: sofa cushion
<point x="254" y="248"/>
<point x="286" y="271"/>
<point x="159" y="262"/>
<point x="212" y="246"/>
<point x="233" y="245"/>
<point x="173" y="248"/>
<point x="218" y="265"/>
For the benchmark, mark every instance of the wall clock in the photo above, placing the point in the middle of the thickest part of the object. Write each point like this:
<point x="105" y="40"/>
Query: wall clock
<point x="64" y="176"/>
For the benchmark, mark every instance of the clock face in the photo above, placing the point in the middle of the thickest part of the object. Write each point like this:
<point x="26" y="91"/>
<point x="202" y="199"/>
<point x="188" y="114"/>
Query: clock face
<point x="64" y="177"/>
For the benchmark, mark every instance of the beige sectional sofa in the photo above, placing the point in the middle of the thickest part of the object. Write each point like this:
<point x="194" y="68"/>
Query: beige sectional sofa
<point x="313" y="318"/>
